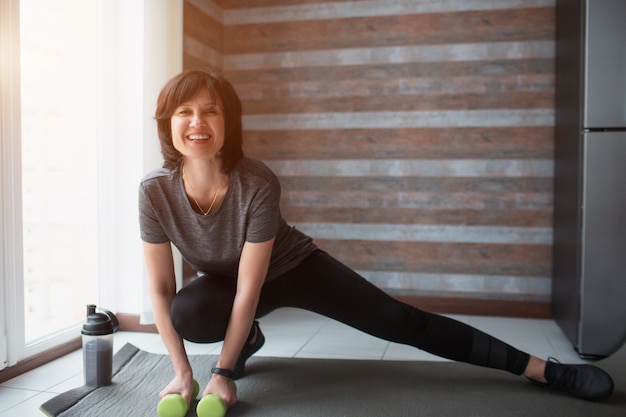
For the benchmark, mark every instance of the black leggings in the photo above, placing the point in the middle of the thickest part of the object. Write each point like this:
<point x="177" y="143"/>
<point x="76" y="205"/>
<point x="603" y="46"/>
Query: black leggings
<point x="201" y="311"/>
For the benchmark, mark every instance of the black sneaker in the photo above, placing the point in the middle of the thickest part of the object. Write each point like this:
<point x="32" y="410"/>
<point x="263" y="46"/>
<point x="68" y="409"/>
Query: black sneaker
<point x="584" y="381"/>
<point x="249" y="349"/>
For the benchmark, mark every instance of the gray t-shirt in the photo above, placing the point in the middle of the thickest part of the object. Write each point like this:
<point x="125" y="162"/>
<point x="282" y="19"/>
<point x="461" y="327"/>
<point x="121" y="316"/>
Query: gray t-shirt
<point x="213" y="243"/>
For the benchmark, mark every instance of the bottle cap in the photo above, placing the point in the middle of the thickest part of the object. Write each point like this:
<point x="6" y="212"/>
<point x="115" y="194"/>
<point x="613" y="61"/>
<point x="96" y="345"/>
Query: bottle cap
<point x="99" y="323"/>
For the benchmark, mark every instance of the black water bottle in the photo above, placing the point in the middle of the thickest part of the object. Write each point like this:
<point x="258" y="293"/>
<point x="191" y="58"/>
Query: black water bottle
<point x="98" y="346"/>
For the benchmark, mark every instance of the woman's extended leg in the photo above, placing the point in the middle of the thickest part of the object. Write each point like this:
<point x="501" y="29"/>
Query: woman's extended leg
<point x="325" y="286"/>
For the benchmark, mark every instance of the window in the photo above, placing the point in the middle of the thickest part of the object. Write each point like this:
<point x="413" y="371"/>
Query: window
<point x="58" y="66"/>
<point x="77" y="134"/>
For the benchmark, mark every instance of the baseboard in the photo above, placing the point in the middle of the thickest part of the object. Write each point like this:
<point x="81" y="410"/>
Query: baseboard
<point x="131" y="323"/>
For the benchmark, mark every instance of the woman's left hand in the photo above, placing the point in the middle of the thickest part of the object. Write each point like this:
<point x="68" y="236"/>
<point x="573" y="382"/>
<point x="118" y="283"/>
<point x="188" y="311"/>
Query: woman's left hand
<point x="222" y="387"/>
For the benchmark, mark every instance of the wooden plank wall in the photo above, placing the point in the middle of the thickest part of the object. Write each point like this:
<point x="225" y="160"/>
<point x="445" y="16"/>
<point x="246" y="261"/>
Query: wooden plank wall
<point x="203" y="35"/>
<point x="413" y="139"/>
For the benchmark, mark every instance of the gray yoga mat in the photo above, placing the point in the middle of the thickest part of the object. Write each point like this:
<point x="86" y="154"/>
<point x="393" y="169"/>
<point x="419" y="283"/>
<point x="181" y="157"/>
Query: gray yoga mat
<point x="290" y="387"/>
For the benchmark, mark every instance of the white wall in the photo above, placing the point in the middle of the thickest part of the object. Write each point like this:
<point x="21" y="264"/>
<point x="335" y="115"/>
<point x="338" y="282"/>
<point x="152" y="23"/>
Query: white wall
<point x="142" y="48"/>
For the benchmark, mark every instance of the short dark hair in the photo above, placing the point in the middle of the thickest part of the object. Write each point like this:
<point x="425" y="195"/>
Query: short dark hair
<point x="183" y="87"/>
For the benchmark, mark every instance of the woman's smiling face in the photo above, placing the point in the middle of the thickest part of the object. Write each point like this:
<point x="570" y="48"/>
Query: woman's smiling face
<point x="198" y="127"/>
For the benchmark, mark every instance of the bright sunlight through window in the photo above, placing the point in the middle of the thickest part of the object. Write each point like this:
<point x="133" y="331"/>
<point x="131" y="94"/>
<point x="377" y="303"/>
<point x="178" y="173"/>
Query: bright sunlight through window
<point x="59" y="162"/>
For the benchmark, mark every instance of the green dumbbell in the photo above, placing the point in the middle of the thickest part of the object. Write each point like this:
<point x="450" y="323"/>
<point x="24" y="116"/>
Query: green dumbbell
<point x="212" y="405"/>
<point x="174" y="405"/>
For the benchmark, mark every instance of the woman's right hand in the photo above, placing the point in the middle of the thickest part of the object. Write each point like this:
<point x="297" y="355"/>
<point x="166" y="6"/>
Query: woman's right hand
<point x="179" y="385"/>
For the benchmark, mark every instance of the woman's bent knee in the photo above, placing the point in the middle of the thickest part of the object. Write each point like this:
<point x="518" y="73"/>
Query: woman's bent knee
<point x="200" y="312"/>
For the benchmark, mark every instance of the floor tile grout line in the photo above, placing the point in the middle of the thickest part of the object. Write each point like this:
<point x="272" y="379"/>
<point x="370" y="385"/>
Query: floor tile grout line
<point x="318" y="331"/>
<point x="382" y="357"/>
<point x="62" y="381"/>
<point x="549" y="339"/>
<point x="21" y="389"/>
<point x="33" y="391"/>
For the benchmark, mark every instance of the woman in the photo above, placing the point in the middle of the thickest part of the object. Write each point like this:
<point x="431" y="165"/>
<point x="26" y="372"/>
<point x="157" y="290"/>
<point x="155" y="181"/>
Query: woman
<point x="221" y="210"/>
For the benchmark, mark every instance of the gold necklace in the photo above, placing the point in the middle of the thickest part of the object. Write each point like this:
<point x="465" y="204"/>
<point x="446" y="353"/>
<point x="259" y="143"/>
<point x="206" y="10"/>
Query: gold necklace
<point x="204" y="213"/>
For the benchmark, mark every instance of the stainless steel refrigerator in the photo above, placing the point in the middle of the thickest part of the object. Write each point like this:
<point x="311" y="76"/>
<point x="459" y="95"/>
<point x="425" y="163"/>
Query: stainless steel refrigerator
<point x="589" y="277"/>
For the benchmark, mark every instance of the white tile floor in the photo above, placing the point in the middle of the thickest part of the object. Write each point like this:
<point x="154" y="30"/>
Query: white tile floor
<point x="289" y="333"/>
